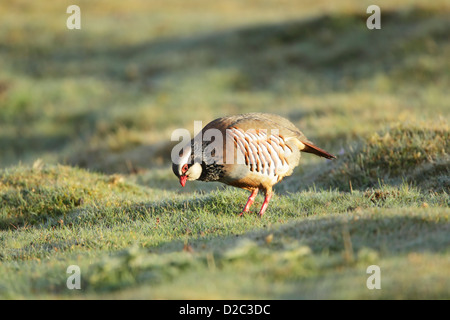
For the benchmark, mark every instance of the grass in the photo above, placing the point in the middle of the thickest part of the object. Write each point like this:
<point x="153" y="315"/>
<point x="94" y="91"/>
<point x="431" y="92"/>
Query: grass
<point x="85" y="177"/>
<point x="417" y="154"/>
<point x="123" y="235"/>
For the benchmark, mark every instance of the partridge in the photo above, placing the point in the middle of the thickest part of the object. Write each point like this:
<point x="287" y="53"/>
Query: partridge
<point x="250" y="151"/>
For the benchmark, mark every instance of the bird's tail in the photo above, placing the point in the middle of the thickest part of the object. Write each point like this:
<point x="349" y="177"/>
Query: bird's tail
<point x="310" y="148"/>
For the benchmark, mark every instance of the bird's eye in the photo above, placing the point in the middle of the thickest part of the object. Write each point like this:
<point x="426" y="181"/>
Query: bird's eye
<point x="184" y="168"/>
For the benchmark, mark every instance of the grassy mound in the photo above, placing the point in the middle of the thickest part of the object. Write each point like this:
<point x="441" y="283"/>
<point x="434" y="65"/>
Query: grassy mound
<point x="31" y="195"/>
<point x="415" y="154"/>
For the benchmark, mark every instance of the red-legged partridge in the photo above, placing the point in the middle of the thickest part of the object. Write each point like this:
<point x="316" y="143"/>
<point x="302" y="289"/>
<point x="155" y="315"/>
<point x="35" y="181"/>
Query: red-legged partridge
<point x="251" y="151"/>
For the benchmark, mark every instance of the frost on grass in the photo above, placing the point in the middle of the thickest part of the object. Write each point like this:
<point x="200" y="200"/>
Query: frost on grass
<point x="416" y="154"/>
<point x="30" y="195"/>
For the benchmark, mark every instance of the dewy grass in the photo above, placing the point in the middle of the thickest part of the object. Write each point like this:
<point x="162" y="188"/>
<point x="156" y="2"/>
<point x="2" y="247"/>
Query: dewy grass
<point x="138" y="237"/>
<point x="99" y="108"/>
<point x="402" y="154"/>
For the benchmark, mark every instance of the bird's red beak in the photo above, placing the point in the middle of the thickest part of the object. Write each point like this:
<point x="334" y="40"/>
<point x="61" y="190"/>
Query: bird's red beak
<point x="183" y="180"/>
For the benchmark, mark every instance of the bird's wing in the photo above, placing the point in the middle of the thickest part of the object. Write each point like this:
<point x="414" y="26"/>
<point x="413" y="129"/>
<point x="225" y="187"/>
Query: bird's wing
<point x="262" y="152"/>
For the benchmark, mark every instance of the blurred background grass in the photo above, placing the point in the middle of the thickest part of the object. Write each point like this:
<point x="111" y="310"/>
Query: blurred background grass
<point x="106" y="98"/>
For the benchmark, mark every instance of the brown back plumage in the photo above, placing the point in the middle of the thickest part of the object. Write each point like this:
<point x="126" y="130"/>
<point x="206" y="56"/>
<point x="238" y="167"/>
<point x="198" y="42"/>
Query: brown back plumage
<point x="269" y="147"/>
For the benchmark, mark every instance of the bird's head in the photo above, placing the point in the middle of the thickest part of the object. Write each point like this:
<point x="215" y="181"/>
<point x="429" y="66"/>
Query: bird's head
<point x="185" y="170"/>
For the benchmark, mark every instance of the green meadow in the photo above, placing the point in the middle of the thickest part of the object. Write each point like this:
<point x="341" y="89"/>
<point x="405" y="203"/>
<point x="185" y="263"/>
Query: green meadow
<point x="86" y="118"/>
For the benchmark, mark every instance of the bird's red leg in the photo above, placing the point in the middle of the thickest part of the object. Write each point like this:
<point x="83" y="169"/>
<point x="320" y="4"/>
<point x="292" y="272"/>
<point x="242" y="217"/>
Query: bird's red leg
<point x="250" y="201"/>
<point x="266" y="202"/>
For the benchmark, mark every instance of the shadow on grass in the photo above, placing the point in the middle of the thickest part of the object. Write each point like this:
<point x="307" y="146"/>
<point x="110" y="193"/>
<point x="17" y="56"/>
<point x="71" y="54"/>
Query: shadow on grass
<point x="392" y="232"/>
